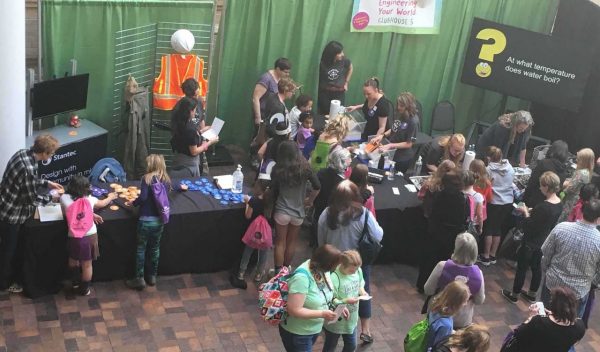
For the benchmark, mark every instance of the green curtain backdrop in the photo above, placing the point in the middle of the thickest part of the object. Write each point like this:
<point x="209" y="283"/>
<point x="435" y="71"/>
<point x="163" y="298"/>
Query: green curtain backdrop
<point x="85" y="30"/>
<point x="256" y="32"/>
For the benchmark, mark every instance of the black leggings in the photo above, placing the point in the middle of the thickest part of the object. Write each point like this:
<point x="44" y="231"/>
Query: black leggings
<point x="528" y="257"/>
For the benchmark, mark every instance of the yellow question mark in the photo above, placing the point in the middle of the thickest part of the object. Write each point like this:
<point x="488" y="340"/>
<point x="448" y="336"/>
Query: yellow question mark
<point x="483" y="69"/>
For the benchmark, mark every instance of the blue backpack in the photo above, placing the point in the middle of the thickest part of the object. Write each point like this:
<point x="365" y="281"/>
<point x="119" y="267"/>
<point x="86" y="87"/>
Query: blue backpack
<point x="107" y="170"/>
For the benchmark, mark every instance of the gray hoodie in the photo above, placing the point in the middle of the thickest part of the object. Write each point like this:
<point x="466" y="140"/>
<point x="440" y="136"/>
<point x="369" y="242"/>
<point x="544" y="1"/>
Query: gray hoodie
<point x="501" y="175"/>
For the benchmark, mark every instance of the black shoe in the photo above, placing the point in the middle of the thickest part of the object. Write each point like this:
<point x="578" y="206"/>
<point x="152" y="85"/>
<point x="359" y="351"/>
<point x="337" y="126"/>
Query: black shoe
<point x="492" y="259"/>
<point x="483" y="260"/>
<point x="136" y="283"/>
<point x="150" y="280"/>
<point x="529" y="296"/>
<point x="237" y="282"/>
<point x="509" y="296"/>
<point x="366" y="339"/>
<point x="84" y="288"/>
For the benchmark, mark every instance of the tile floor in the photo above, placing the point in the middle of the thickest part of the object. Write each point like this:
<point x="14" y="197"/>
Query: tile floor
<point x="202" y="312"/>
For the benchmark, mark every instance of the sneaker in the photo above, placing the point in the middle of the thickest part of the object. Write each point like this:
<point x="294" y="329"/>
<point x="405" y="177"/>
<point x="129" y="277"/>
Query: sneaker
<point x="529" y="296"/>
<point x="136" y="284"/>
<point x="85" y="292"/>
<point x="150" y="280"/>
<point x="237" y="283"/>
<point x="15" y="288"/>
<point x="509" y="296"/>
<point x="483" y="260"/>
<point x="492" y="259"/>
<point x="259" y="275"/>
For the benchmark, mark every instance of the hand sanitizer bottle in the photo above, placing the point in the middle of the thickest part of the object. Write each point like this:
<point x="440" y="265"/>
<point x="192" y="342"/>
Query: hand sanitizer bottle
<point x="238" y="180"/>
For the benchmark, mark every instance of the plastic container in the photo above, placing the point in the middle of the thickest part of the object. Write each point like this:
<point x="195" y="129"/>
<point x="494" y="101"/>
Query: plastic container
<point x="418" y="166"/>
<point x="238" y="180"/>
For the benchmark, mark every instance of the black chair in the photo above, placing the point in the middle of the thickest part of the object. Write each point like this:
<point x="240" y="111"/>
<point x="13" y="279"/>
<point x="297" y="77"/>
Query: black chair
<point x="419" y="114"/>
<point x="442" y="119"/>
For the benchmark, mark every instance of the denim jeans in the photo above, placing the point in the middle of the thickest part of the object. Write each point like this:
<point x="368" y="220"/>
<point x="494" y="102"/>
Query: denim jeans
<point x="148" y="244"/>
<point x="297" y="343"/>
<point x="260" y="264"/>
<point x="9" y="237"/>
<point x="364" y="307"/>
<point x="331" y="340"/>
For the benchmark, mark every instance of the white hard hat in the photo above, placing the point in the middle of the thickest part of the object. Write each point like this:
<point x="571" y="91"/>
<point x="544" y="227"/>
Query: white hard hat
<point x="183" y="41"/>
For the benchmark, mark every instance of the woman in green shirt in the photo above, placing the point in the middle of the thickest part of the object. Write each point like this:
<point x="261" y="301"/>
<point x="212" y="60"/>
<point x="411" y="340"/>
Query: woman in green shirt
<point x="310" y="300"/>
<point x="348" y="285"/>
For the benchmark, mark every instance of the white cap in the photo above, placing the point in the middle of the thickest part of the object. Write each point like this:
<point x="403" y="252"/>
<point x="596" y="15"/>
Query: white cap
<point x="183" y="41"/>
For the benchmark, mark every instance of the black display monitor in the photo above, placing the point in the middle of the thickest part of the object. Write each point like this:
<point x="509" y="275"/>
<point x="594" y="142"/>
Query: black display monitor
<point x="60" y="95"/>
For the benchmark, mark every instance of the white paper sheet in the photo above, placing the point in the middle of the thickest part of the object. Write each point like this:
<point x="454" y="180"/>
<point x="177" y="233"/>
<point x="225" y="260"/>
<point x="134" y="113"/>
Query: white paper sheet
<point x="411" y="188"/>
<point x="50" y="212"/>
<point x="338" y="313"/>
<point x="224" y="181"/>
<point x="214" y="130"/>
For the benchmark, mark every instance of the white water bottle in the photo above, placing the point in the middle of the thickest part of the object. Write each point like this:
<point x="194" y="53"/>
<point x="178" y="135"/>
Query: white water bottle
<point x="418" y="166"/>
<point x="238" y="180"/>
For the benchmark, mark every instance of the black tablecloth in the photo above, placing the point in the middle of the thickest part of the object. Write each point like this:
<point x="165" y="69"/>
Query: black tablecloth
<point x="402" y="220"/>
<point x="202" y="236"/>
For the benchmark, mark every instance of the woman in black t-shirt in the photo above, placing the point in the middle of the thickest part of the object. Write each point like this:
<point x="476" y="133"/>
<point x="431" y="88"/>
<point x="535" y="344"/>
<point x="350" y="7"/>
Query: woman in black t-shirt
<point x="335" y="71"/>
<point x="557" y="331"/>
<point x="403" y="132"/>
<point x="537" y="226"/>
<point x="186" y="142"/>
<point x="376" y="109"/>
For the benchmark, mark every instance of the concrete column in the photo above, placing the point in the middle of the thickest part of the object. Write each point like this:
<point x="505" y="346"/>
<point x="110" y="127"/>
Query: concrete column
<point x="12" y="71"/>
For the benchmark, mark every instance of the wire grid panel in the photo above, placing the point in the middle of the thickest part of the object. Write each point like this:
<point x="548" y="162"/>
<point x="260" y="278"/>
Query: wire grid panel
<point x="159" y="139"/>
<point x="135" y="52"/>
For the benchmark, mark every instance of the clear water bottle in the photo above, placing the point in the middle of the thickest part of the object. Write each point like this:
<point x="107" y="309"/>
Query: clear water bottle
<point x="418" y="166"/>
<point x="238" y="180"/>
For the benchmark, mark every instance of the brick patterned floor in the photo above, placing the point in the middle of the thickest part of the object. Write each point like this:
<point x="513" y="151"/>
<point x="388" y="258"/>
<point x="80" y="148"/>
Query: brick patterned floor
<point x="203" y="313"/>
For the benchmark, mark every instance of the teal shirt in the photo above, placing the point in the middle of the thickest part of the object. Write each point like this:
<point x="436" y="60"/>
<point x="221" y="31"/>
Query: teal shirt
<point x="316" y="298"/>
<point x="346" y="286"/>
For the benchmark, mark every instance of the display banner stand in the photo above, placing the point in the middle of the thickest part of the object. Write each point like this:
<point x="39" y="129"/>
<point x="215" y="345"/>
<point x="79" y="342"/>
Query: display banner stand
<point x="80" y="148"/>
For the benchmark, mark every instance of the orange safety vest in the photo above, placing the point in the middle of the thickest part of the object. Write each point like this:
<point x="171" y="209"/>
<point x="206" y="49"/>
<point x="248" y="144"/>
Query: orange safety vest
<point x="174" y="69"/>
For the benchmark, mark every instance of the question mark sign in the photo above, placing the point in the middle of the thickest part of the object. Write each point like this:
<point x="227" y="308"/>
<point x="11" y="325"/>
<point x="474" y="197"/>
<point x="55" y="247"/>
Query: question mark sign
<point x="489" y="50"/>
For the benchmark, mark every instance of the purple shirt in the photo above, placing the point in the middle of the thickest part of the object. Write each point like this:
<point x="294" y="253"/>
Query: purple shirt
<point x="268" y="81"/>
<point x="453" y="271"/>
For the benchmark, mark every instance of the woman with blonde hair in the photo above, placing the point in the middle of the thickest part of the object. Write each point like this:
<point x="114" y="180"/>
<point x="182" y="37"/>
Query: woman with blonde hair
<point x="445" y="148"/>
<point x="329" y="141"/>
<point x="536" y="227"/>
<point x="510" y="133"/>
<point x="443" y="307"/>
<point x="473" y="338"/>
<point x="581" y="176"/>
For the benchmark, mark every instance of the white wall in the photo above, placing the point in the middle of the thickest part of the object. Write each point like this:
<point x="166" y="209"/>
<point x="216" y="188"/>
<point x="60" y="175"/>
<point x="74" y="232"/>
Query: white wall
<point x="12" y="85"/>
